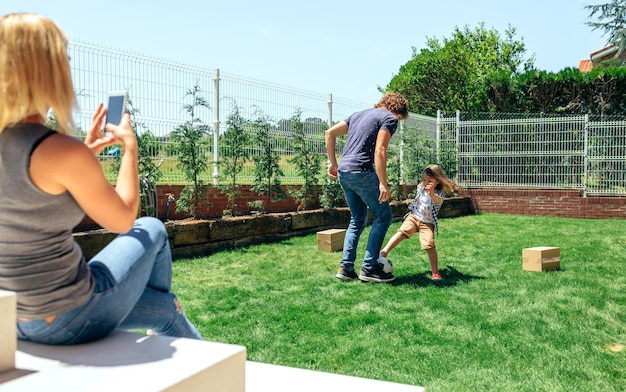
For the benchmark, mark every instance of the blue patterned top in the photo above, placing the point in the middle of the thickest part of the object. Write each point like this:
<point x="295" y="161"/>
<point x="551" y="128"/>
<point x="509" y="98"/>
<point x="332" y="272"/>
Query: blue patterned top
<point x="363" y="128"/>
<point x="424" y="208"/>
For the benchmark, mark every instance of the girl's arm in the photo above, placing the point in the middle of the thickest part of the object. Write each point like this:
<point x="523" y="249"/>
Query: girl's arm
<point x="430" y="189"/>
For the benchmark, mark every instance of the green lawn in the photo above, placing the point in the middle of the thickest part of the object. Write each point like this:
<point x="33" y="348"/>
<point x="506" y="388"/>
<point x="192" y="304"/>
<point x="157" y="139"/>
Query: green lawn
<point x="488" y="327"/>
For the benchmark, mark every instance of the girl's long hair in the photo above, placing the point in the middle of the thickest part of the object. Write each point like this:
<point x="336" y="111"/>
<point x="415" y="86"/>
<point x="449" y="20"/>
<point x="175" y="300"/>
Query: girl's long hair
<point x="445" y="185"/>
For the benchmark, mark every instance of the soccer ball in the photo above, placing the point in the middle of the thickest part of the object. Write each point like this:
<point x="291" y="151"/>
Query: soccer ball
<point x="387" y="266"/>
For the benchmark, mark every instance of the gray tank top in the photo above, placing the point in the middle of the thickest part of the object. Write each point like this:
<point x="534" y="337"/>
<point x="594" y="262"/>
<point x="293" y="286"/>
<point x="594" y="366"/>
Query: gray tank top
<point x="39" y="258"/>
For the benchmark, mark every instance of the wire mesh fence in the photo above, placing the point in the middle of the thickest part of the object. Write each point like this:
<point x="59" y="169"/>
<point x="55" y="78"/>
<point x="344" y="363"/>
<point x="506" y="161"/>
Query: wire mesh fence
<point x="158" y="95"/>
<point x="549" y="151"/>
<point x="479" y="150"/>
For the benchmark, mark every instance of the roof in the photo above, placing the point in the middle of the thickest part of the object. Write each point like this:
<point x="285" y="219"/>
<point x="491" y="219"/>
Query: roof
<point x="585" y="66"/>
<point x="604" y="52"/>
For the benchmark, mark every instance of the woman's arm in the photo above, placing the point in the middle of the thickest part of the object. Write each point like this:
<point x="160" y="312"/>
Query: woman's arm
<point x="61" y="163"/>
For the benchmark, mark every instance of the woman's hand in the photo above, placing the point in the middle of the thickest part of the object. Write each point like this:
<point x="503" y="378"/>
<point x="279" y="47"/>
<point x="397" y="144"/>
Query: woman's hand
<point x="123" y="133"/>
<point x="93" y="140"/>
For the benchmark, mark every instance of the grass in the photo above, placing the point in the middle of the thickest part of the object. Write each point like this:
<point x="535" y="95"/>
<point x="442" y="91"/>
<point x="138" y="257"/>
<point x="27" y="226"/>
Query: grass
<point x="488" y="326"/>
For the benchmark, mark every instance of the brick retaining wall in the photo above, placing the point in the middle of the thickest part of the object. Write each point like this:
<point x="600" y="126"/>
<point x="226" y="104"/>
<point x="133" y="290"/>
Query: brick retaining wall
<point x="546" y="203"/>
<point x="567" y="203"/>
<point x="218" y="204"/>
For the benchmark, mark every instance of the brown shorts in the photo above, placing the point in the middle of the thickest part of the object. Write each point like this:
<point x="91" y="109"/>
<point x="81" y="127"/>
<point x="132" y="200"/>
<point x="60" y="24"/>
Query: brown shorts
<point x="426" y="230"/>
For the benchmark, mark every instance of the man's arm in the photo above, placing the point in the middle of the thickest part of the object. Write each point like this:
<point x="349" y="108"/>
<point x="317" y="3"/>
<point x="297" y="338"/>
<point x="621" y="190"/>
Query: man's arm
<point x="341" y="128"/>
<point x="380" y="163"/>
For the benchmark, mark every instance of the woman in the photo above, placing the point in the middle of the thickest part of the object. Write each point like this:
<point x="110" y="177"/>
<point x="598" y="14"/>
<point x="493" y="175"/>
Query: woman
<point x="48" y="182"/>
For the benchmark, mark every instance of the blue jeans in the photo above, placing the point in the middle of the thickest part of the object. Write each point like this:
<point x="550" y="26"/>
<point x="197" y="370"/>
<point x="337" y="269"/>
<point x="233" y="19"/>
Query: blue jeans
<point x="133" y="281"/>
<point x="361" y="192"/>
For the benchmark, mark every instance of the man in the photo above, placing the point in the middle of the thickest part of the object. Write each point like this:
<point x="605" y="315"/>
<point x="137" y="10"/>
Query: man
<point x="362" y="174"/>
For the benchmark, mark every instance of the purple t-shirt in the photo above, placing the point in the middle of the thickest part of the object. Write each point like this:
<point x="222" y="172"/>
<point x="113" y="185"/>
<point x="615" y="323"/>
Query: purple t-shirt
<point x="363" y="127"/>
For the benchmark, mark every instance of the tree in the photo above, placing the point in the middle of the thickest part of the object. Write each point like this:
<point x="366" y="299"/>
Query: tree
<point x="148" y="147"/>
<point x="307" y="163"/>
<point x="332" y="193"/>
<point x="611" y="20"/>
<point x="451" y="74"/>
<point x="235" y="152"/>
<point x="191" y="144"/>
<point x="267" y="171"/>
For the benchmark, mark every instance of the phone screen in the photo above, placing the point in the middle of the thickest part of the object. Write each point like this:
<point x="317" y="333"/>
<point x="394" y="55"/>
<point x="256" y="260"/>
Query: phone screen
<point x="115" y="109"/>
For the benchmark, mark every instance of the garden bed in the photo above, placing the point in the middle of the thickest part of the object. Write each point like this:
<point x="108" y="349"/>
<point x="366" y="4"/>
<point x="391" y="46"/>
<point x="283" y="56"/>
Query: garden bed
<point x="190" y="237"/>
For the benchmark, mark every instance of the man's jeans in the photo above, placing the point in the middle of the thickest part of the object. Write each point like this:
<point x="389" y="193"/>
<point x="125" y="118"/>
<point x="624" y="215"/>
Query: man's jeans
<point x="361" y="192"/>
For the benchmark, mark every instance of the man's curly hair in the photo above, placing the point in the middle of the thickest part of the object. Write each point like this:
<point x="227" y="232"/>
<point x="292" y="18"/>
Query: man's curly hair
<point x="395" y="103"/>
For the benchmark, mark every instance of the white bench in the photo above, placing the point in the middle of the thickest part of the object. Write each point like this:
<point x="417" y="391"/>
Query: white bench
<point x="133" y="362"/>
<point x="127" y="361"/>
<point x="8" y="330"/>
<point x="261" y="377"/>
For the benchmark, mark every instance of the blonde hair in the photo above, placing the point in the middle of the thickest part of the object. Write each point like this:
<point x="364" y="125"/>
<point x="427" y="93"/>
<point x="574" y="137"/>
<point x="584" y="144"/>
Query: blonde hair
<point x="34" y="71"/>
<point x="445" y="185"/>
<point x="395" y="103"/>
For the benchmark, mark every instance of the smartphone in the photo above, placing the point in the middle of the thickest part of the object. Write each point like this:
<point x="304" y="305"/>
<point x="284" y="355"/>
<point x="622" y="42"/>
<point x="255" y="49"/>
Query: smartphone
<point x="116" y="107"/>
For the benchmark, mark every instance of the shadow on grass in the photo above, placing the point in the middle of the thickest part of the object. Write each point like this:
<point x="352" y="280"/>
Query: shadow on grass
<point x="451" y="277"/>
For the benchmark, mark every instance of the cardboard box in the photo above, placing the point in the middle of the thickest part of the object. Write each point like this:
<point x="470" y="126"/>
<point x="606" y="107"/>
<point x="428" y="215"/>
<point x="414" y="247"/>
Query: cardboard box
<point x="541" y="258"/>
<point x="330" y="240"/>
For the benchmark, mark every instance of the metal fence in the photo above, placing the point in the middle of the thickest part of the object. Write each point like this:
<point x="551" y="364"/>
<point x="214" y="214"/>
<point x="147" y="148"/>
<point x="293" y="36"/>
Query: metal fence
<point x="158" y="93"/>
<point x="497" y="150"/>
<point x="479" y="150"/>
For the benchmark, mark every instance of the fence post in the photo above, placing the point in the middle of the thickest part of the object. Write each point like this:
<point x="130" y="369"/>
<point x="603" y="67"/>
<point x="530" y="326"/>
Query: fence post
<point x="216" y="127"/>
<point x="330" y="110"/>
<point x="438" y="137"/>
<point x="401" y="153"/>
<point x="458" y="140"/>
<point x="586" y="156"/>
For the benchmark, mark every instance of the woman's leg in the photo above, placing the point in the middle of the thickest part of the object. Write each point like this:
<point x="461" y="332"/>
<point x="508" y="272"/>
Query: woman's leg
<point x="121" y="273"/>
<point x="162" y="313"/>
<point x="138" y="265"/>
<point x="158" y="308"/>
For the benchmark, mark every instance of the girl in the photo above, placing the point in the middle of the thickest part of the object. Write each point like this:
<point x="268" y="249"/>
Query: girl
<point x="422" y="217"/>
<point x="48" y="182"/>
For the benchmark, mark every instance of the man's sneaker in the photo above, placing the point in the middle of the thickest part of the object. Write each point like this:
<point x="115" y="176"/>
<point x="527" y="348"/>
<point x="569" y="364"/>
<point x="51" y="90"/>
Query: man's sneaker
<point x="436" y="277"/>
<point x="346" y="275"/>
<point x="376" y="275"/>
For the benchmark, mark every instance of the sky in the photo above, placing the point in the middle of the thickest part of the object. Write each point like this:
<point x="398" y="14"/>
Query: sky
<point x="348" y="48"/>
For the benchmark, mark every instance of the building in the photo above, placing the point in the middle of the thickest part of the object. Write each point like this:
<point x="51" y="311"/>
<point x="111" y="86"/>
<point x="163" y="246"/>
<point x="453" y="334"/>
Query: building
<point x="599" y="57"/>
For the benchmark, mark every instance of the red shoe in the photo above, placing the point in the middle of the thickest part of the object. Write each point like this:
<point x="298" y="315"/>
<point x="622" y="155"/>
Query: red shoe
<point x="436" y="277"/>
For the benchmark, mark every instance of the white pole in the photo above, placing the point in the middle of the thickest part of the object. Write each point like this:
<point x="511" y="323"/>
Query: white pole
<point x="216" y="128"/>
<point x="330" y="110"/>
<point x="401" y="153"/>
<point x="438" y="137"/>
